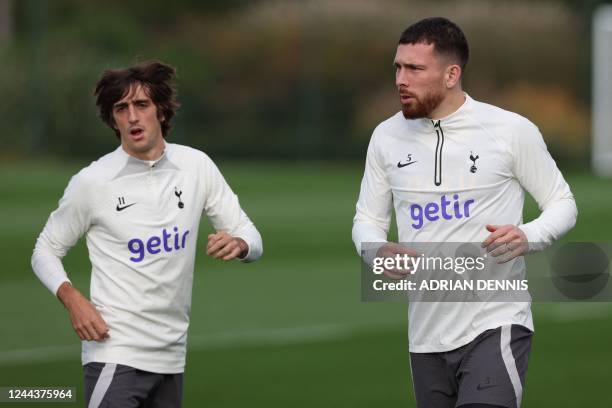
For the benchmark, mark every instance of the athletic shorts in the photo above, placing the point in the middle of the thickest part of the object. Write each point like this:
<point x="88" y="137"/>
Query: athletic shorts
<point x="115" y="385"/>
<point x="489" y="370"/>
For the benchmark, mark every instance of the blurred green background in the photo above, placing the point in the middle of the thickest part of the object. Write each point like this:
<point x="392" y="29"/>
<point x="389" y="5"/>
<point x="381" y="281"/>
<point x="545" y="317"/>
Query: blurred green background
<point x="284" y="96"/>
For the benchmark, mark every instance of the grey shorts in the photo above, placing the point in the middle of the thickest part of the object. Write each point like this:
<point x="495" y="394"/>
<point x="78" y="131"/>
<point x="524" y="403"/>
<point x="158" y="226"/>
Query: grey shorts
<point x="489" y="370"/>
<point x="115" y="385"/>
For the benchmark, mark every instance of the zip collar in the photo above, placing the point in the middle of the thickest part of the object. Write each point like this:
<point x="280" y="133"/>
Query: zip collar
<point x="145" y="163"/>
<point x="450" y="121"/>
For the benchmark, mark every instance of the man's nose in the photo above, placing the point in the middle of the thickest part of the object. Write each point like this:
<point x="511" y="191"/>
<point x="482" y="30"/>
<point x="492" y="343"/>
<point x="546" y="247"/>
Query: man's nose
<point x="132" y="116"/>
<point x="401" y="78"/>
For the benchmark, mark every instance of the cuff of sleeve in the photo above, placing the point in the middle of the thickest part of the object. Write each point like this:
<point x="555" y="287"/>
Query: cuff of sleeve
<point x="253" y="251"/>
<point x="54" y="287"/>
<point x="369" y="251"/>
<point x="533" y="239"/>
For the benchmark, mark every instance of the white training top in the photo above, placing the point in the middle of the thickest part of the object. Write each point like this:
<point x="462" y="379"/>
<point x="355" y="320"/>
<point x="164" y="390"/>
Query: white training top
<point x="447" y="179"/>
<point x="141" y="222"/>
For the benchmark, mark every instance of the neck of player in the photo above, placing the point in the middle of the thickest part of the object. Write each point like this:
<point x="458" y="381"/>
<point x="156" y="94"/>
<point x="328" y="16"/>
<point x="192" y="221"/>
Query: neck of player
<point x="449" y="105"/>
<point x="150" y="154"/>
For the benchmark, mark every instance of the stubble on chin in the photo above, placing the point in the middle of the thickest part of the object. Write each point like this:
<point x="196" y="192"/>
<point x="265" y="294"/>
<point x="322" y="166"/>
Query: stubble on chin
<point x="422" y="107"/>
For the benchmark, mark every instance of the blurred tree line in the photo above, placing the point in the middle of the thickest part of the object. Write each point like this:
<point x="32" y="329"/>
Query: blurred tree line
<point x="280" y="79"/>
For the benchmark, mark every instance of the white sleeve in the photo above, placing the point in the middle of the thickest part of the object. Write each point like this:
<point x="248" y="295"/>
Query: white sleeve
<point x="537" y="172"/>
<point x="375" y="203"/>
<point x="63" y="229"/>
<point x="223" y="209"/>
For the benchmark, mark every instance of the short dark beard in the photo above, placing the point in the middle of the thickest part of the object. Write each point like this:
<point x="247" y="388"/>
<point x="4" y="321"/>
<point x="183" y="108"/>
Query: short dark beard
<point x="422" y="108"/>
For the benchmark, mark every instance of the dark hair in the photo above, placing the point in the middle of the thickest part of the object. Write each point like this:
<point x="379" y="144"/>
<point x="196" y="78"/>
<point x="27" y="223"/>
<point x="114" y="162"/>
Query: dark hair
<point x="446" y="36"/>
<point x="156" y="79"/>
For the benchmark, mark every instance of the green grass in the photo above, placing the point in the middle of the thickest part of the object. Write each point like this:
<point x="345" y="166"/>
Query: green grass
<point x="308" y="281"/>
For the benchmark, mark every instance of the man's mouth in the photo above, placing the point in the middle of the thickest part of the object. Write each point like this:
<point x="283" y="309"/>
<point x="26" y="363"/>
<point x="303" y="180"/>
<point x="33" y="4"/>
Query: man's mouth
<point x="137" y="133"/>
<point x="406" y="98"/>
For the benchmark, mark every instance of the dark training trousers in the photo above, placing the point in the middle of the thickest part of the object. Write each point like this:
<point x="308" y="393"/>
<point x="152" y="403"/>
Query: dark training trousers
<point x="115" y="385"/>
<point x="489" y="370"/>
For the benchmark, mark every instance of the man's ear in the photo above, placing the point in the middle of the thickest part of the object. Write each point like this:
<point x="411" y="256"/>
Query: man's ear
<point x="452" y="75"/>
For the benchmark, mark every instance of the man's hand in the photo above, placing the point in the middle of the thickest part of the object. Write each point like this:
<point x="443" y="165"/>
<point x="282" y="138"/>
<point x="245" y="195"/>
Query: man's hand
<point x="505" y="242"/>
<point x="389" y="250"/>
<point x="225" y="247"/>
<point x="86" y="320"/>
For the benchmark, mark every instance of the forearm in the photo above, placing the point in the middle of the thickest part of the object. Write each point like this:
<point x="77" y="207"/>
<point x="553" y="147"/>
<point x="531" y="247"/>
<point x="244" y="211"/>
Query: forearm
<point x="48" y="267"/>
<point x="539" y="175"/>
<point x="373" y="210"/>
<point x="365" y="231"/>
<point x="554" y="221"/>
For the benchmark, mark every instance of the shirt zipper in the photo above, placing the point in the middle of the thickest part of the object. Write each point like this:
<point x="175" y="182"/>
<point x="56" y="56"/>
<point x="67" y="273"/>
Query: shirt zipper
<point x="438" y="157"/>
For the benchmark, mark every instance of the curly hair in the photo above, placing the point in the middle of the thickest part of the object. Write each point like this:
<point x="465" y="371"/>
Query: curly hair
<point x="156" y="79"/>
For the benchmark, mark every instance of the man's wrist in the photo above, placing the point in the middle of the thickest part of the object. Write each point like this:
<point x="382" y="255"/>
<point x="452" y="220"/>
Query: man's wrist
<point x="387" y="246"/>
<point x="66" y="293"/>
<point x="244" y="248"/>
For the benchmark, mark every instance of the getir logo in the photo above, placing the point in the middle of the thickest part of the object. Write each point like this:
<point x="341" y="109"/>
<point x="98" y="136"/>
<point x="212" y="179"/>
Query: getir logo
<point x="166" y="242"/>
<point x="445" y="209"/>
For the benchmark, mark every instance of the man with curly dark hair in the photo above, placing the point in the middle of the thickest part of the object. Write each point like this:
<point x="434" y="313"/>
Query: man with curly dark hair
<point x="139" y="208"/>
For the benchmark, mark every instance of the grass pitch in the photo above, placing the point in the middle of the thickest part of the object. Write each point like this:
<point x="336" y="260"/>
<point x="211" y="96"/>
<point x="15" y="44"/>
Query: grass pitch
<point x="290" y="329"/>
